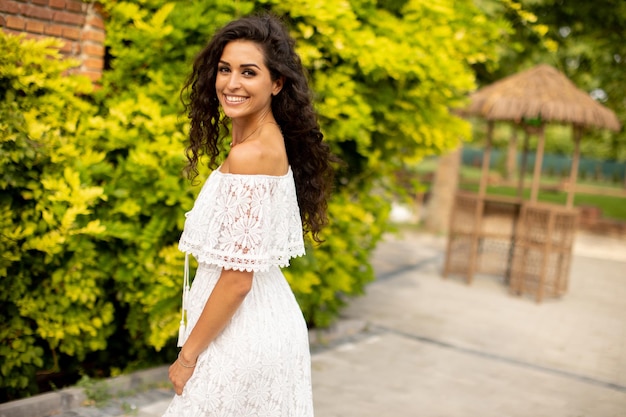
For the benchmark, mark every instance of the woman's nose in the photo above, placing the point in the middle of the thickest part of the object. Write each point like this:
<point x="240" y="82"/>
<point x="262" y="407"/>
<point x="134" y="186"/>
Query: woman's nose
<point x="233" y="81"/>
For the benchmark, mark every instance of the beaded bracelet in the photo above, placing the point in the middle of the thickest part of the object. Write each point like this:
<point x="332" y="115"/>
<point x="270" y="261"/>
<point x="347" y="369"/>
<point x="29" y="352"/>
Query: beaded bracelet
<point x="183" y="364"/>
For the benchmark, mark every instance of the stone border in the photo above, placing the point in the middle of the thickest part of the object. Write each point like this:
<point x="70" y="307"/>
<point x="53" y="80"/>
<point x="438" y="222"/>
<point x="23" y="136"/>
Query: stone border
<point x="53" y="403"/>
<point x="67" y="399"/>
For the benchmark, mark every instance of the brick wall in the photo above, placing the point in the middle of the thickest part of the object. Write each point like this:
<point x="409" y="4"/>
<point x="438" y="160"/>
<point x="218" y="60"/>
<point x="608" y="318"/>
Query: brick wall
<point x="79" y="25"/>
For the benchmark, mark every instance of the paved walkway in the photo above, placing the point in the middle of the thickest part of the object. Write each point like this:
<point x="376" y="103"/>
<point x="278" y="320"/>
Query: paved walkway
<point x="442" y="348"/>
<point x="420" y="345"/>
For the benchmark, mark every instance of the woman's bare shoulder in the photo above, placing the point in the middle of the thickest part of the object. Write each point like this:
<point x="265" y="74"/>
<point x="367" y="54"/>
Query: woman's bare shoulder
<point x="257" y="158"/>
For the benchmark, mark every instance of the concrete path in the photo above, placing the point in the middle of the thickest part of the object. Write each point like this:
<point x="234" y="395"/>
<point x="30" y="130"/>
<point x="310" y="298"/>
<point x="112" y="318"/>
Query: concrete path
<point x="438" y="347"/>
<point x="420" y="345"/>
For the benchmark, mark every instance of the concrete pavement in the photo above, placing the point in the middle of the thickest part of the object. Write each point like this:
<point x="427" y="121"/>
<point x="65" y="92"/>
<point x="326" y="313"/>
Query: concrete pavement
<point x="442" y="348"/>
<point x="420" y="345"/>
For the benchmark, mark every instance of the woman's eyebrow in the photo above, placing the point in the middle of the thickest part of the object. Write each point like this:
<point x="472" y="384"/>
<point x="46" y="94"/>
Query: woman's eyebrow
<point x="242" y="65"/>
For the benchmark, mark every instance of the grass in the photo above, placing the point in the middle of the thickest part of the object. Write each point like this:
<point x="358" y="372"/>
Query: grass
<point x="612" y="207"/>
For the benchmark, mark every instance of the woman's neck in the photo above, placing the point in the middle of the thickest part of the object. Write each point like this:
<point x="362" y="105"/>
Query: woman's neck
<point x="244" y="130"/>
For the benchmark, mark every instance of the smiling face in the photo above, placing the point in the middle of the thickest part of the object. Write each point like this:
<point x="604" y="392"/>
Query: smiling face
<point x="244" y="85"/>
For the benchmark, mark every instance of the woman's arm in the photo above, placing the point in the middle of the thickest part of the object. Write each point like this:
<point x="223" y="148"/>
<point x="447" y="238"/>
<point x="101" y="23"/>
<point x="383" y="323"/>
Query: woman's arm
<point x="229" y="292"/>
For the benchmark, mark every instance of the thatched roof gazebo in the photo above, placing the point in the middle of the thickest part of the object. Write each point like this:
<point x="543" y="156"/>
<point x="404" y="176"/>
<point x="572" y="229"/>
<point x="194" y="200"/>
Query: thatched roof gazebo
<point x="532" y="98"/>
<point x="527" y="242"/>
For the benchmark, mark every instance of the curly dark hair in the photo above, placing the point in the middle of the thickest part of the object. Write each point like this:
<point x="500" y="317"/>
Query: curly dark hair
<point x="310" y="158"/>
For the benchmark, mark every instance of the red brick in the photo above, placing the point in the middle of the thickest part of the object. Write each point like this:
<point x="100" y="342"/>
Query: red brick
<point x="53" y="30"/>
<point x="97" y="8"/>
<point x="8" y="6"/>
<point x="57" y="4"/>
<point x="66" y="47"/>
<point x="95" y="21"/>
<point x="34" y="26"/>
<point x="92" y="35"/>
<point x="11" y="31"/>
<point x="40" y="2"/>
<point x="93" y="75"/>
<point x="15" y="23"/>
<point x="70" y="48"/>
<point x="93" y="50"/>
<point x="36" y="11"/>
<point x="33" y="36"/>
<point x="71" y="71"/>
<point x="71" y="18"/>
<point x="94" y="63"/>
<point x="74" y="5"/>
<point x="71" y="33"/>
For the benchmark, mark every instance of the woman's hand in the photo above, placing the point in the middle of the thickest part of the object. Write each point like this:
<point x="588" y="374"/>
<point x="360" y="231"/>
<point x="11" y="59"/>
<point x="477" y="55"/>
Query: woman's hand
<point x="179" y="375"/>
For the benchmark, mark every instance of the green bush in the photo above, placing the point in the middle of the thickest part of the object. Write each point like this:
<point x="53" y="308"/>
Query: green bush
<point x="92" y="186"/>
<point x="52" y="293"/>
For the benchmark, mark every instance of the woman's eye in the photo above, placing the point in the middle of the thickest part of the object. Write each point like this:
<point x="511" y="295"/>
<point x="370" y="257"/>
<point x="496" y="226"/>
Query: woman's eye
<point x="223" y="69"/>
<point x="249" y="73"/>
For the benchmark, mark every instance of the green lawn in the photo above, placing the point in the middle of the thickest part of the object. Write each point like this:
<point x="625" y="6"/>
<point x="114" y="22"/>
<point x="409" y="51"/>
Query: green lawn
<point x="612" y="207"/>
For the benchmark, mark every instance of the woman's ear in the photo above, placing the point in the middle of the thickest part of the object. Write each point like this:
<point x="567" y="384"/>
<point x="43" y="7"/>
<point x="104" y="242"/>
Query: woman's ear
<point x="278" y="85"/>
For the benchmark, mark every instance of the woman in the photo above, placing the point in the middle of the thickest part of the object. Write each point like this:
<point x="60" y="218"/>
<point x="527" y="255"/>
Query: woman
<point x="245" y="343"/>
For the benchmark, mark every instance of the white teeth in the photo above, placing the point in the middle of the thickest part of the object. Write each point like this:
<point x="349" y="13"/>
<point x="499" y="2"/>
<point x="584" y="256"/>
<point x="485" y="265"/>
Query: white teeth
<point x="235" y="99"/>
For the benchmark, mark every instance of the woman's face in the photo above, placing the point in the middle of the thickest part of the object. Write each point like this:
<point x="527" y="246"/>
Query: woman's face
<point x="243" y="83"/>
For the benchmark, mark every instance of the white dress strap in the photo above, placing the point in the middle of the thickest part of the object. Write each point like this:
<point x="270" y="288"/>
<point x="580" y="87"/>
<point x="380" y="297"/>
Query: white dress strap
<point x="182" y="329"/>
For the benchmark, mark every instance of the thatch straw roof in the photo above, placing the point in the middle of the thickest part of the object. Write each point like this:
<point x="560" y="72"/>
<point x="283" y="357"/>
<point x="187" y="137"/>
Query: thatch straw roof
<point x="540" y="92"/>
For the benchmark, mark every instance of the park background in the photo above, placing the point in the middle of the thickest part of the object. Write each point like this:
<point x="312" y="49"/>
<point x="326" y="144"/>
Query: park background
<point x="93" y="198"/>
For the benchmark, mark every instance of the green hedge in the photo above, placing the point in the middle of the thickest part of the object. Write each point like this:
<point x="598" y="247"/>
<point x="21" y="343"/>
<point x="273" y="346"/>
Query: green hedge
<point x="53" y="293"/>
<point x="93" y="198"/>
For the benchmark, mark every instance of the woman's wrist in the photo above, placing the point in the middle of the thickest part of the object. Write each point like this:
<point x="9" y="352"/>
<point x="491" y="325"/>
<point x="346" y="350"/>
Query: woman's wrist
<point x="184" y="362"/>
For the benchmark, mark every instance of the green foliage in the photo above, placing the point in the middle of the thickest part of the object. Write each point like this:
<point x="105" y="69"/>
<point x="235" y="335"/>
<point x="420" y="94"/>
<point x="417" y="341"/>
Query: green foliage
<point x="340" y="267"/>
<point x="93" y="180"/>
<point x="584" y="40"/>
<point x="592" y="53"/>
<point x="52" y="292"/>
<point x="143" y="214"/>
<point x="96" y="391"/>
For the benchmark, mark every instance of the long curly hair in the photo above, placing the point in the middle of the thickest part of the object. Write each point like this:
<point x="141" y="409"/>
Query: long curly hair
<point x="309" y="156"/>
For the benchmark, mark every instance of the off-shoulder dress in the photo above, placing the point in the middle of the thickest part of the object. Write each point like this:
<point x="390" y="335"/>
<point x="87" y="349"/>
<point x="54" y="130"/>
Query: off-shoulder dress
<point x="260" y="364"/>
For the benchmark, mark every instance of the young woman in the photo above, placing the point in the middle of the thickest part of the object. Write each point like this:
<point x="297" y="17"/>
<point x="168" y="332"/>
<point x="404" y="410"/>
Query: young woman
<point x="245" y="343"/>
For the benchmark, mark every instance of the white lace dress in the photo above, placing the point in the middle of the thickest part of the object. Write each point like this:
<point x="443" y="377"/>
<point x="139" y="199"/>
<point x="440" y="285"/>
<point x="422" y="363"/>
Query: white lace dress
<point x="260" y="364"/>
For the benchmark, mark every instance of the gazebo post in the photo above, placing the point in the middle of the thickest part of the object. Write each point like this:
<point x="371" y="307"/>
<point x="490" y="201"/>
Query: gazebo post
<point x="482" y="189"/>
<point x="522" y="172"/>
<point x="534" y="191"/>
<point x="574" y="171"/>
<point x="480" y="206"/>
<point x="511" y="154"/>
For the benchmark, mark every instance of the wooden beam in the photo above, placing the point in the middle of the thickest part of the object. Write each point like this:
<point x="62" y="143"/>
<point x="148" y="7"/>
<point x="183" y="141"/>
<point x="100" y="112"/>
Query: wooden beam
<point x="484" y="176"/>
<point x="534" y="191"/>
<point x="573" y="175"/>
<point x="522" y="171"/>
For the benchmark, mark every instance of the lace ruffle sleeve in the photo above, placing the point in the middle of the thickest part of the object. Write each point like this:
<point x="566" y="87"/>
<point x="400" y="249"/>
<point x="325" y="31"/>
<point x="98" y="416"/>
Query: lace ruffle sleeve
<point x="244" y="222"/>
